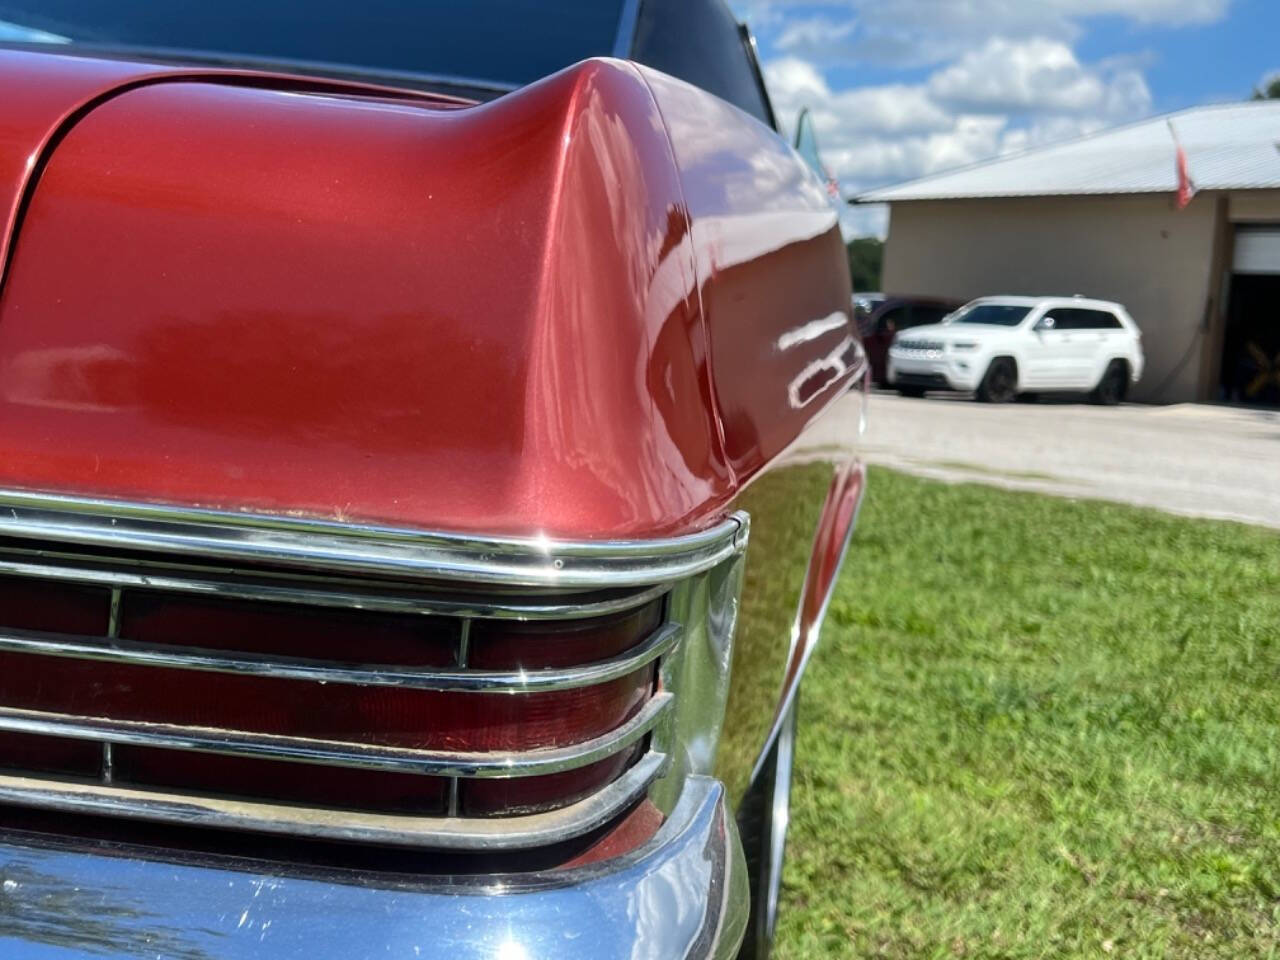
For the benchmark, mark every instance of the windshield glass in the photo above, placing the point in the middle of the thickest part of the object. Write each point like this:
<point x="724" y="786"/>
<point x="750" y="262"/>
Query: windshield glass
<point x="504" y="42"/>
<point x="998" y="314"/>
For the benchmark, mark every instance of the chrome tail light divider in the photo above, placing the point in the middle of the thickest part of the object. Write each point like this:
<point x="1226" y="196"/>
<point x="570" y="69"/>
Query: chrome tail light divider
<point x="241" y="743"/>
<point x="460" y="679"/>
<point x="441" y="833"/>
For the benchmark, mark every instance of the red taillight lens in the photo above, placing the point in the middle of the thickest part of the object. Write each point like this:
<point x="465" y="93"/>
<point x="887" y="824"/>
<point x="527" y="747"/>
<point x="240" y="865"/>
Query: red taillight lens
<point x="290" y="630"/>
<point x="356" y="713"/>
<point x="27" y="604"/>
<point x="29" y="753"/>
<point x="497" y="644"/>
<point x="335" y="711"/>
<point x="339" y="787"/>
<point x="487" y="798"/>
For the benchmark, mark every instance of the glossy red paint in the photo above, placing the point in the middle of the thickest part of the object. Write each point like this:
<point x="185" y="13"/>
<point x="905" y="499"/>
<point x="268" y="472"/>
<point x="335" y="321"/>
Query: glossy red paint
<point x="248" y="298"/>
<point x="773" y="281"/>
<point x="45" y="93"/>
<point x="597" y="307"/>
<point x="40" y="94"/>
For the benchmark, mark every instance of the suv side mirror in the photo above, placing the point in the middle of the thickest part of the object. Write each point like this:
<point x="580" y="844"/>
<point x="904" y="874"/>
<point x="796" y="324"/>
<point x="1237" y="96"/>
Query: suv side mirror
<point x="1046" y="323"/>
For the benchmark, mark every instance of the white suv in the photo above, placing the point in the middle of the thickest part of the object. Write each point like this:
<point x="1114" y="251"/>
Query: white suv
<point x="1000" y="347"/>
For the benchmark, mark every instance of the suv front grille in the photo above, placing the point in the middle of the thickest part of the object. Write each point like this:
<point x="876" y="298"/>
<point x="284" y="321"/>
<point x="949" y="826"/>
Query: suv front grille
<point x="928" y="347"/>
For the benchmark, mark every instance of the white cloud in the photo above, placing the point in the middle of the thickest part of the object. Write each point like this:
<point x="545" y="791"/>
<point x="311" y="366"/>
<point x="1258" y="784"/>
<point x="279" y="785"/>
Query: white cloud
<point x="1036" y="75"/>
<point x="891" y="108"/>
<point x="926" y="32"/>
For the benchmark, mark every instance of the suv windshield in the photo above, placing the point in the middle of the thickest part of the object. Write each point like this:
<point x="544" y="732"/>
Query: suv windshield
<point x="998" y="314"/>
<point x="503" y="43"/>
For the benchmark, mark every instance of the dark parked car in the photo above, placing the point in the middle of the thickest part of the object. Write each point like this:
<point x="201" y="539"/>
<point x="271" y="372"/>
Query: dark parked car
<point x="879" y="316"/>
<point x="427" y="447"/>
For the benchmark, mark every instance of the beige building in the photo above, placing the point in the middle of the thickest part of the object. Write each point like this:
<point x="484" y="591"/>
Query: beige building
<point x="1099" y="217"/>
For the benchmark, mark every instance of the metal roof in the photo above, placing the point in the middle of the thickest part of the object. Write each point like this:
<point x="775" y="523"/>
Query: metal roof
<point x="1229" y="147"/>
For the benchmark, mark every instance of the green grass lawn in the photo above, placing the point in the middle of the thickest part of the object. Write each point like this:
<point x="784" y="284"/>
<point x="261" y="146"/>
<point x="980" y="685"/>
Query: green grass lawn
<point x="1040" y="728"/>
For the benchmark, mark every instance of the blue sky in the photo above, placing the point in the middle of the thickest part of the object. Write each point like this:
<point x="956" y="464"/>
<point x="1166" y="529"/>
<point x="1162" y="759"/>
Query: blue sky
<point x="903" y="88"/>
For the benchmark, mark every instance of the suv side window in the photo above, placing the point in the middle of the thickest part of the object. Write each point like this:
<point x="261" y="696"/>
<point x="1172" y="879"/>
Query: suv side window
<point x="1076" y="318"/>
<point x="923" y="315"/>
<point x="698" y="41"/>
<point x="1064" y="318"/>
<point x="1102" y="320"/>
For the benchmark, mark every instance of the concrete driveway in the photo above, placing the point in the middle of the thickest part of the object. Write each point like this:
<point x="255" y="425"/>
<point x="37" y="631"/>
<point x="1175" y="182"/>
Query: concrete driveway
<point x="1202" y="461"/>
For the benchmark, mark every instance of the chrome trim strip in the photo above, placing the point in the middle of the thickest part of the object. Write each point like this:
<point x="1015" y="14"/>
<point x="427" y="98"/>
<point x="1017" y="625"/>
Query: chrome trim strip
<point x="789" y="693"/>
<point x="780" y="818"/>
<point x="362" y="547"/>
<point x="443" y="763"/>
<point x="443" y="679"/>
<point x="446" y="833"/>
<point x="318" y="593"/>
<point x="697" y="674"/>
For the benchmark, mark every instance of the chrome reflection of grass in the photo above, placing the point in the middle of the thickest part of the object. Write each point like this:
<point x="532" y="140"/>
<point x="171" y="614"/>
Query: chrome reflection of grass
<point x="1040" y="728"/>
<point x="784" y="507"/>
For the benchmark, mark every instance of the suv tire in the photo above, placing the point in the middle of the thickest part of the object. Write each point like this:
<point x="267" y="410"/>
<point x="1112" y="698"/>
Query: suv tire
<point x="1114" y="385"/>
<point x="1000" y="384"/>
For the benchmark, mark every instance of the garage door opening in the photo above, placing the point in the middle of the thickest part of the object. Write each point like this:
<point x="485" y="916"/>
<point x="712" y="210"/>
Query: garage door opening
<point x="1251" y="341"/>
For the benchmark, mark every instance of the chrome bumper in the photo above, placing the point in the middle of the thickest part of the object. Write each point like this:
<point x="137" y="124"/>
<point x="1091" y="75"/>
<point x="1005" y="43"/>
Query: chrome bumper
<point x="684" y="894"/>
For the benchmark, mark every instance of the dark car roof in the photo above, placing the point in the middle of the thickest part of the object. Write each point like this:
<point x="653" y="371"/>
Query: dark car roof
<point x="930" y="301"/>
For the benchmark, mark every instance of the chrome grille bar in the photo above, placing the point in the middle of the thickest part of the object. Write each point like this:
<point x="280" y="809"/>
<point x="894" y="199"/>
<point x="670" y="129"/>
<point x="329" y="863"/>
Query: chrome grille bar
<point x="443" y="763"/>
<point x="329" y="594"/>
<point x="440" y="833"/>
<point x="458" y="680"/>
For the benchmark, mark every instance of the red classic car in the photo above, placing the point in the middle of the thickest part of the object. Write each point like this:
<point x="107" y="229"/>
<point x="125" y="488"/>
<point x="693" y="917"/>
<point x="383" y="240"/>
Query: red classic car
<point x="426" y="452"/>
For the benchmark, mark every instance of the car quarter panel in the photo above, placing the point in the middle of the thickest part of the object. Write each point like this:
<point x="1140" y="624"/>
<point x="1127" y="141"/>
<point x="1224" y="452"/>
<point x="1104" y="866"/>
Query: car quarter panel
<point x="775" y="298"/>
<point x="354" y="308"/>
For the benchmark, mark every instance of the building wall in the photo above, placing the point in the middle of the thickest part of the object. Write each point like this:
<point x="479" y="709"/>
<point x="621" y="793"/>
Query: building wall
<point x="1136" y="250"/>
<point x="1255" y="206"/>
